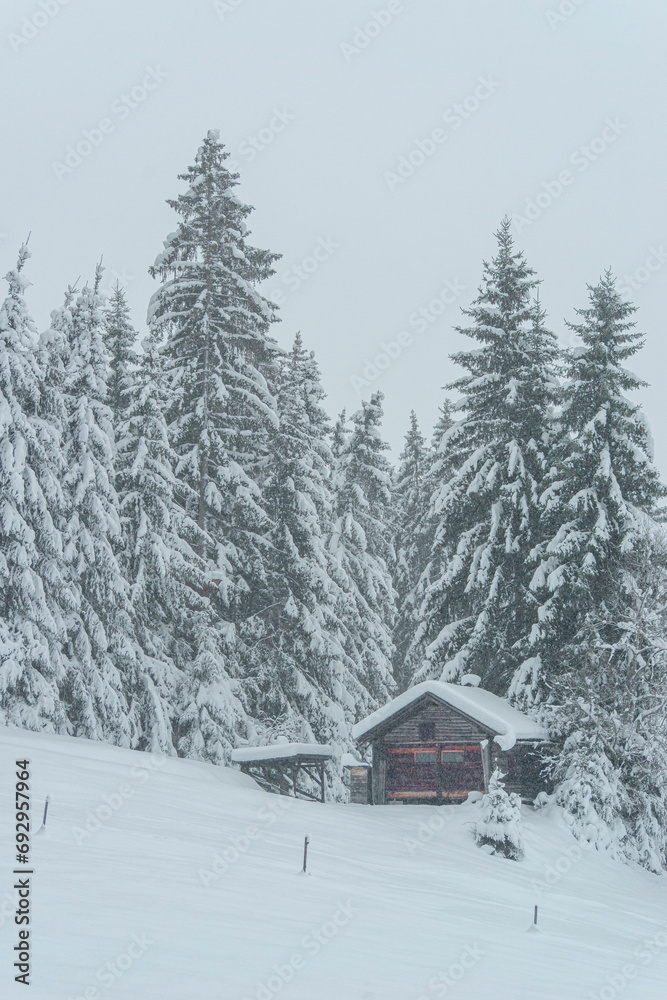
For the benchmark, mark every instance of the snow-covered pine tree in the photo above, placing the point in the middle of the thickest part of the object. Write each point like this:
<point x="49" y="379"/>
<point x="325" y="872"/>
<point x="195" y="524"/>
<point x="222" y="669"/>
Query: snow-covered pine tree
<point x="478" y="613"/>
<point x="411" y="542"/>
<point x="601" y="584"/>
<point x="221" y="356"/>
<point x="499" y="825"/>
<point x="120" y="340"/>
<point x="102" y="651"/>
<point x="609" y="714"/>
<point x="361" y="541"/>
<point x="310" y="672"/>
<point x="53" y="357"/>
<point x="440" y="453"/>
<point x="34" y="591"/>
<point x="439" y="470"/>
<point x="167" y="579"/>
<point x="603" y="482"/>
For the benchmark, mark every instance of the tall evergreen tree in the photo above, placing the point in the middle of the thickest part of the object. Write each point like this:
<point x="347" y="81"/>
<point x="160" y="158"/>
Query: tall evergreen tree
<point x="222" y="361"/>
<point x="103" y="653"/>
<point x="411" y="542"/>
<point x="608" y="712"/>
<point x="34" y="591"/>
<point x="167" y="579"/>
<point x="478" y="614"/>
<point x="362" y="540"/>
<point x="600" y="580"/>
<point x="438" y="472"/>
<point x="120" y="339"/>
<point x="603" y="482"/>
<point x="310" y="670"/>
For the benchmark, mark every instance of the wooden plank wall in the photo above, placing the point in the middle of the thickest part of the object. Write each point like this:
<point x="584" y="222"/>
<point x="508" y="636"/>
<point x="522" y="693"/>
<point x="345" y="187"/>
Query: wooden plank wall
<point x="450" y="727"/>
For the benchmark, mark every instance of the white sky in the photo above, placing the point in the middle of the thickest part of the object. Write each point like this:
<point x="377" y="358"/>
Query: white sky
<point x="320" y="178"/>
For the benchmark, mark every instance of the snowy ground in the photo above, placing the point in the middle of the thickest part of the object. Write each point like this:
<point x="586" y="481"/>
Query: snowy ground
<point x="187" y="885"/>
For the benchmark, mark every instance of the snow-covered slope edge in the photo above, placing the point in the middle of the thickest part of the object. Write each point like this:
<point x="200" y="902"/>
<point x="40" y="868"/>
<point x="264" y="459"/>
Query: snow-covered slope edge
<point x="163" y="879"/>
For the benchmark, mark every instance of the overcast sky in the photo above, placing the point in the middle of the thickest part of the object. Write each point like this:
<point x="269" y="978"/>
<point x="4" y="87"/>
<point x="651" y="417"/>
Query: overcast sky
<point x="380" y="143"/>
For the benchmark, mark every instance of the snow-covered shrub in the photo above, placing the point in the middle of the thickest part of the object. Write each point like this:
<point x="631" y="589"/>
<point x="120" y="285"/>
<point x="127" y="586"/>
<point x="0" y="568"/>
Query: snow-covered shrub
<point x="590" y="793"/>
<point x="499" y="826"/>
<point x="541" y="801"/>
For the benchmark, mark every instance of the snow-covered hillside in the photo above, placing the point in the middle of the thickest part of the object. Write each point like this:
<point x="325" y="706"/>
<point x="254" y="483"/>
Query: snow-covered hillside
<point x="164" y="879"/>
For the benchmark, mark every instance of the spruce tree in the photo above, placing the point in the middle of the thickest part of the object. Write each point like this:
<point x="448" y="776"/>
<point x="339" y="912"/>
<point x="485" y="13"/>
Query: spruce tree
<point x="120" y="339"/>
<point x="167" y="579"/>
<point x="53" y="357"/>
<point x="411" y="543"/>
<point x="34" y="591"/>
<point x="438" y="472"/>
<point x="608" y="714"/>
<point x="103" y="653"/>
<point x="222" y="361"/>
<point x="603" y="483"/>
<point x="600" y="580"/>
<point x="310" y="671"/>
<point x="361" y="541"/>
<point x="478" y="613"/>
<point x="499" y="825"/>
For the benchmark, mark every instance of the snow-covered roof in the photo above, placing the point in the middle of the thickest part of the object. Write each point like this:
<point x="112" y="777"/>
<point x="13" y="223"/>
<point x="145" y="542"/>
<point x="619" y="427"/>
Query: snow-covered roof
<point x="277" y="751"/>
<point x="349" y="760"/>
<point x="486" y="708"/>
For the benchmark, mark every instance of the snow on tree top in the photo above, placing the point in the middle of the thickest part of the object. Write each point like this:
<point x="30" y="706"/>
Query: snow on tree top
<point x="483" y="706"/>
<point x="275" y="751"/>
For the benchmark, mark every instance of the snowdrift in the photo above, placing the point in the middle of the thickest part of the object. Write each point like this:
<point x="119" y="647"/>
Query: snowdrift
<point x="164" y="879"/>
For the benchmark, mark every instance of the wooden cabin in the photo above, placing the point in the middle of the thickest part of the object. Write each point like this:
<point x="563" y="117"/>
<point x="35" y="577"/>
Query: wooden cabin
<point x="438" y="742"/>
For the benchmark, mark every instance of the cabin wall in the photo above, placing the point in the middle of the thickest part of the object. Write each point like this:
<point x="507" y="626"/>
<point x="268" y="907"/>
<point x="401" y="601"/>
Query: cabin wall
<point x="379" y="778"/>
<point x="522" y="769"/>
<point x="449" y="725"/>
<point x="360" y="785"/>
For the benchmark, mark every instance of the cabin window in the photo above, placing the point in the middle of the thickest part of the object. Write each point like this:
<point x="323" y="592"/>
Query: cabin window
<point x="426" y="731"/>
<point x="452" y="756"/>
<point x="425" y="757"/>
